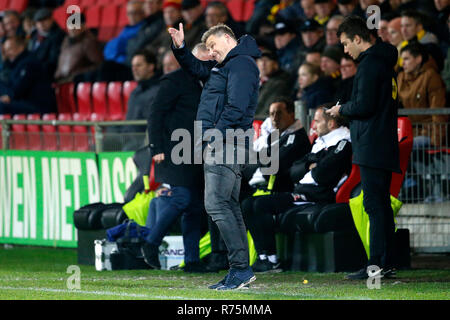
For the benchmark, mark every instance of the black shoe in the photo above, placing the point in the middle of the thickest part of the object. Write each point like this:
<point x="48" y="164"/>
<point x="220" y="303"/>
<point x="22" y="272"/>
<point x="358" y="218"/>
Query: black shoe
<point x="196" y="267"/>
<point x="151" y="255"/>
<point x="363" y="275"/>
<point x="238" y="279"/>
<point x="220" y="283"/>
<point x="265" y="266"/>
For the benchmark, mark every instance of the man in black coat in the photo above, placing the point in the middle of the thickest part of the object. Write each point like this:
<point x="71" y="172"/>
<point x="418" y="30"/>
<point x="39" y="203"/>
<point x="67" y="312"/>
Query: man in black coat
<point x="28" y="88"/>
<point x="46" y="40"/>
<point x="227" y="104"/>
<point x="175" y="108"/>
<point x="372" y="111"/>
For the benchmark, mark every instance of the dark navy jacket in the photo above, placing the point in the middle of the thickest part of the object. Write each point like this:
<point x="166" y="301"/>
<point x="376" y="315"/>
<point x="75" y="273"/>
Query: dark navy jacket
<point x="230" y="93"/>
<point x="29" y="82"/>
<point x="372" y="110"/>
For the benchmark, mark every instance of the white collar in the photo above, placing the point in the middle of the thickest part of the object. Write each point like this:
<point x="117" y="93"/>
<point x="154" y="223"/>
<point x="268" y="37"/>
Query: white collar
<point x="331" y="139"/>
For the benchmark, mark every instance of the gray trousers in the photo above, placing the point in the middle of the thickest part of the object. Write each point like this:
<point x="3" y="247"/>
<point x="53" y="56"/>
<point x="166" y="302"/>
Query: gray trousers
<point x="222" y="188"/>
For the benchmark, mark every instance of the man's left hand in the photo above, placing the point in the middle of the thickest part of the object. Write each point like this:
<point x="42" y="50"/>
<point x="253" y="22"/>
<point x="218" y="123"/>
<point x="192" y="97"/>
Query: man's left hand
<point x="5" y="99"/>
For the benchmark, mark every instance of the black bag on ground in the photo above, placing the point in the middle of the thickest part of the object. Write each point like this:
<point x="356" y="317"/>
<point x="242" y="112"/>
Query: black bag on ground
<point x="128" y="255"/>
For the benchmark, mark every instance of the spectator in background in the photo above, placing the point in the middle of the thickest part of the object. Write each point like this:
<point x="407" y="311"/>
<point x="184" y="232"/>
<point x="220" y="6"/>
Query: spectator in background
<point x="313" y="89"/>
<point x="45" y="42"/>
<point x="115" y="51"/>
<point x="331" y="30"/>
<point x="443" y="12"/>
<point x="273" y="82"/>
<point x="287" y="44"/>
<point x="312" y="38"/>
<point x="324" y="10"/>
<point x="330" y="65"/>
<point x="350" y="7"/>
<point x="28" y="89"/>
<point x="145" y="73"/>
<point x="172" y="17"/>
<point x="152" y="27"/>
<point x="308" y="8"/>
<point x="395" y="36"/>
<point x="259" y="16"/>
<point x="169" y="62"/>
<point x="216" y="13"/>
<point x="348" y="71"/>
<point x="194" y="18"/>
<point x="313" y="57"/>
<point x="382" y="30"/>
<point x="412" y="30"/>
<point x="420" y="86"/>
<point x="80" y="53"/>
<point x="28" y="24"/>
<point x="12" y="25"/>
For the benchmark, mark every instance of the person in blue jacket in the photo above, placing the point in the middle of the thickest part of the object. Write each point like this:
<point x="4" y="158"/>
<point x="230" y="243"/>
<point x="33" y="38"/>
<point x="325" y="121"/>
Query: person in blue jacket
<point x="228" y="101"/>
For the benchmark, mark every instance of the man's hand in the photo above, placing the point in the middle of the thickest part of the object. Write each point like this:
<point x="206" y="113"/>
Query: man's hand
<point x="312" y="166"/>
<point x="159" y="158"/>
<point x="163" y="192"/>
<point x="5" y="99"/>
<point x="334" y="111"/>
<point x="177" y="36"/>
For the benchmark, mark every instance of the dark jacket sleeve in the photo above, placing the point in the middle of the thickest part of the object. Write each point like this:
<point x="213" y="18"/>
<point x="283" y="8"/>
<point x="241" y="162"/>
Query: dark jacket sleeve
<point x="195" y="67"/>
<point x="29" y="74"/>
<point x="242" y="84"/>
<point x="164" y="101"/>
<point x="333" y="164"/>
<point x="366" y="92"/>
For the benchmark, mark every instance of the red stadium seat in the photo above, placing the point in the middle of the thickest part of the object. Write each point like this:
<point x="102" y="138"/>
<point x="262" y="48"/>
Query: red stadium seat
<point x="249" y="7"/>
<point x="84" y="100"/>
<point x="34" y="133"/>
<point x="93" y="16"/>
<point x="81" y="133"/>
<point x="4" y="4"/>
<point x="128" y="88"/>
<point x="99" y="100"/>
<point x="115" y="102"/>
<point x="3" y="117"/>
<point x="65" y="97"/>
<point x="236" y="8"/>
<point x="18" y="140"/>
<point x="66" y="142"/>
<point x="18" y="5"/>
<point x="123" y="18"/>
<point x="49" y="134"/>
<point x="60" y="16"/>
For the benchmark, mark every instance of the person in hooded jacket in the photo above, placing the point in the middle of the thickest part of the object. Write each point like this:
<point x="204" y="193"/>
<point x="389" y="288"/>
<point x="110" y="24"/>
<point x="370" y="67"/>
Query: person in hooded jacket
<point x="372" y="112"/>
<point x="228" y="101"/>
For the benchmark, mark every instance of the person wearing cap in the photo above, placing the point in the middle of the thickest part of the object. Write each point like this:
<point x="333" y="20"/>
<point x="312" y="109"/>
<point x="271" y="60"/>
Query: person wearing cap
<point x="274" y="81"/>
<point x="313" y="40"/>
<point x="45" y="42"/>
<point x="80" y="52"/>
<point x="152" y="27"/>
<point x="287" y="43"/>
<point x="330" y="64"/>
<point x="194" y="18"/>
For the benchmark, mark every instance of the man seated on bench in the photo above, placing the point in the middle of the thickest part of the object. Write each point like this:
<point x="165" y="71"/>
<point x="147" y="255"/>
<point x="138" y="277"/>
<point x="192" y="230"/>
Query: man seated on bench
<point x="316" y="177"/>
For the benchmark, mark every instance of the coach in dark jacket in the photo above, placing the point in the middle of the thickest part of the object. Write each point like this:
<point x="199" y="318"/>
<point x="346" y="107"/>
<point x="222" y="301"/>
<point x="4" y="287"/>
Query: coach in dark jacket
<point x="28" y="89"/>
<point x="175" y="108"/>
<point x="372" y="111"/>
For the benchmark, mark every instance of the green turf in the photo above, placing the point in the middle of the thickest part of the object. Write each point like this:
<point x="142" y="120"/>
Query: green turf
<point x="41" y="273"/>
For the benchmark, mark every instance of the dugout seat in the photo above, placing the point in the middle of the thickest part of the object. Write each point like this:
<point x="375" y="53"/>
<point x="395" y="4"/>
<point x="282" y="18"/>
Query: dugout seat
<point x="81" y="133"/>
<point x="326" y="250"/>
<point x="128" y="88"/>
<point x="99" y="101"/>
<point x="84" y="99"/>
<point x="65" y="134"/>
<point x="18" y="140"/>
<point x="115" y="101"/>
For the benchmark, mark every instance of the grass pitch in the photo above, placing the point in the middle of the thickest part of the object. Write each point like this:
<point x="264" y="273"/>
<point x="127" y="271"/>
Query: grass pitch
<point x="42" y="273"/>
